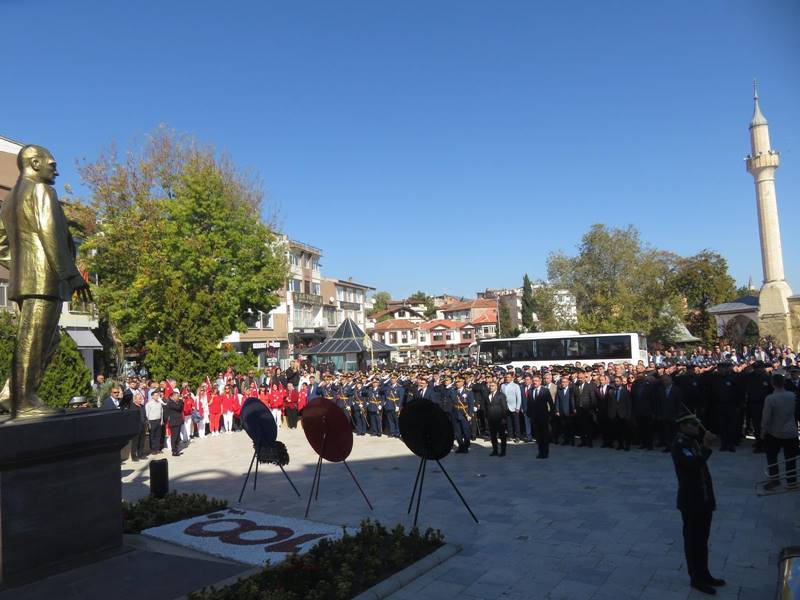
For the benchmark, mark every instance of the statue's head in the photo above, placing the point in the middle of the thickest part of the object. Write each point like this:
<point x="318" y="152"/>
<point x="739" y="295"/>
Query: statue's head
<point x="36" y="162"/>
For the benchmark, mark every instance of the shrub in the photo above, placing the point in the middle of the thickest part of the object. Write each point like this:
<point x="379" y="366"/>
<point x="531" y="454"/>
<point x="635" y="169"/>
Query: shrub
<point x="152" y="512"/>
<point x="334" y="570"/>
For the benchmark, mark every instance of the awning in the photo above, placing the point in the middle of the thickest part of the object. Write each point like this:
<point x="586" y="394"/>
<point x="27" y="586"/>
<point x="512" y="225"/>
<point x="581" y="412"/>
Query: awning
<point x="84" y="339"/>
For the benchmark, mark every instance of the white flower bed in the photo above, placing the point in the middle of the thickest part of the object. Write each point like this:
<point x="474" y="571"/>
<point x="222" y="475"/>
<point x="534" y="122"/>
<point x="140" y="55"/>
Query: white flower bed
<point x="246" y="536"/>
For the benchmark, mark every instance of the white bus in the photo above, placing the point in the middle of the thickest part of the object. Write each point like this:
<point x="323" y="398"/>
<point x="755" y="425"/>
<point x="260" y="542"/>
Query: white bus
<point x="563" y="347"/>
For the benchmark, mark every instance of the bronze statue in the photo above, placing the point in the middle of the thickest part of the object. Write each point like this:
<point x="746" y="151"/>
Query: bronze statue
<point x="37" y="249"/>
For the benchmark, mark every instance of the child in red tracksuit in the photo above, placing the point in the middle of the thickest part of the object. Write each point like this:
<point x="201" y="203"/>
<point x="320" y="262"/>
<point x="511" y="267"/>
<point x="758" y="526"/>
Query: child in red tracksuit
<point x="276" y="398"/>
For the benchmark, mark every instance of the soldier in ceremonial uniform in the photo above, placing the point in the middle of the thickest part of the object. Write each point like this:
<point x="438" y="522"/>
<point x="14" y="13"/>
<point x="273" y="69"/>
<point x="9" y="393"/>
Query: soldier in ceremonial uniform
<point x="394" y="394"/>
<point x="462" y="414"/>
<point x="358" y="408"/>
<point x="374" y="403"/>
<point x="757" y="388"/>
<point x="695" y="498"/>
<point x="725" y="397"/>
<point x="343" y="392"/>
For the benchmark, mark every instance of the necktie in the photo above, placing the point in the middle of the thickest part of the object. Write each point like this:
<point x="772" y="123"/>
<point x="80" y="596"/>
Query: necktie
<point x="617" y="394"/>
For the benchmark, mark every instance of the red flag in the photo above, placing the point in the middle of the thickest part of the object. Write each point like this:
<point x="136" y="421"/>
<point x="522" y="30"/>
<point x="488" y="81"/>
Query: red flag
<point x="208" y="385"/>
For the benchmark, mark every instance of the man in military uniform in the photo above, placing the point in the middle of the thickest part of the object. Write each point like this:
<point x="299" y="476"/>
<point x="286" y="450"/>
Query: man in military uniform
<point x="725" y="397"/>
<point x="757" y="388"/>
<point x="358" y="408"/>
<point x="394" y="394"/>
<point x="462" y="414"/>
<point x="374" y="404"/>
<point x="695" y="498"/>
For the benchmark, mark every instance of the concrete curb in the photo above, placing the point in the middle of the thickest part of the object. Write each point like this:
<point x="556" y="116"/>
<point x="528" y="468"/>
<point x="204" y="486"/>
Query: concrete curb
<point x="399" y="580"/>
<point x="226" y="582"/>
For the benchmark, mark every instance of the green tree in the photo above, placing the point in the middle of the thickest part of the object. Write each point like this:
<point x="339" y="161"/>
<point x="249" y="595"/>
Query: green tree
<point x="702" y="280"/>
<point x="505" y="327"/>
<point x="381" y="300"/>
<point x="66" y="375"/>
<point x="619" y="283"/>
<point x="430" y="308"/>
<point x="527" y="304"/>
<point x="181" y="252"/>
<point x="545" y="307"/>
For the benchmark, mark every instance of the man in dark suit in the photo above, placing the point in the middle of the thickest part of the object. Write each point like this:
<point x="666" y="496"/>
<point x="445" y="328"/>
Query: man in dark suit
<point x="619" y="413"/>
<point x="425" y="390"/>
<point x="642" y="404"/>
<point x="564" y="411"/>
<point x="602" y="399"/>
<point x="540" y="407"/>
<point x="313" y="391"/>
<point x="173" y="414"/>
<point x="586" y="406"/>
<point x="113" y="401"/>
<point x="669" y="403"/>
<point x="496" y="415"/>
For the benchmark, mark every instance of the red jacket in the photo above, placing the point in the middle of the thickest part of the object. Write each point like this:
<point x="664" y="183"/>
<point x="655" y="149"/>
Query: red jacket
<point x="188" y="405"/>
<point x="215" y="405"/>
<point x="302" y="399"/>
<point x="292" y="398"/>
<point x="276" y="399"/>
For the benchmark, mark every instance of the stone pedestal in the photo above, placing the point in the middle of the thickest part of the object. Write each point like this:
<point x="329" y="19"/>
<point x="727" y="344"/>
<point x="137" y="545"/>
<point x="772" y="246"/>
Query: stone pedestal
<point x="60" y="490"/>
<point x="773" y="312"/>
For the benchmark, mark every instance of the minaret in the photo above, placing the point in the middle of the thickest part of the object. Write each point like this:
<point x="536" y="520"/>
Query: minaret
<point x="773" y="312"/>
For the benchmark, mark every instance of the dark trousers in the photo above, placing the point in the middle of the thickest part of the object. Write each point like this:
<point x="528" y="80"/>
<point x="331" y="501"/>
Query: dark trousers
<point x="772" y="446"/>
<point x="291" y="417"/>
<point x="727" y="427"/>
<point x="645" y="425"/>
<point x="606" y="427"/>
<point x="480" y="422"/>
<point x="497" y="429"/>
<point x="375" y="424"/>
<point x="696" y="527"/>
<point x="461" y="432"/>
<point x="585" y="425"/>
<point x="754" y="412"/>
<point x="155" y="436"/>
<point x="513" y="425"/>
<point x="139" y="444"/>
<point x="474" y="427"/>
<point x="542" y="432"/>
<point x="359" y="421"/>
<point x="175" y="438"/>
<point x="667" y="431"/>
<point x="620" y="432"/>
<point x="562" y="427"/>
<point x="391" y="420"/>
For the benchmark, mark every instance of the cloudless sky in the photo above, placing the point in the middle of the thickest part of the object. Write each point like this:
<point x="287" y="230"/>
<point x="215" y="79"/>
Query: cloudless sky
<point x="443" y="146"/>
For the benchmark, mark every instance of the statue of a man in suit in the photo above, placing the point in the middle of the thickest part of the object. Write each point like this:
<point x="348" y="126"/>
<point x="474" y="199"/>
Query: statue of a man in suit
<point x="37" y="249"/>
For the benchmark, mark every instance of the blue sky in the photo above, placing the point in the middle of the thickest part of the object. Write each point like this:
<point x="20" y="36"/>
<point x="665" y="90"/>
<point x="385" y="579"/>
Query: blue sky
<point x="444" y="146"/>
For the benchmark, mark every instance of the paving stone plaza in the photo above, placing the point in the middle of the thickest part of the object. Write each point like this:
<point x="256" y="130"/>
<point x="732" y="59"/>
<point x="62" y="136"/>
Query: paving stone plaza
<point x="587" y="523"/>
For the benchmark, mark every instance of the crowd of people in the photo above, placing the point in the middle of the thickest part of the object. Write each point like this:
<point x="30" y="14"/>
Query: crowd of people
<point x="612" y="405"/>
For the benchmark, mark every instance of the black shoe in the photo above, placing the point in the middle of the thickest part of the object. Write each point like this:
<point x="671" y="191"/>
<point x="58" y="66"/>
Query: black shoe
<point x="771" y="485"/>
<point x="703" y="587"/>
<point x="540" y="456"/>
<point x="177" y="453"/>
<point x="494" y="453"/>
<point x="665" y="450"/>
<point x="714" y="581"/>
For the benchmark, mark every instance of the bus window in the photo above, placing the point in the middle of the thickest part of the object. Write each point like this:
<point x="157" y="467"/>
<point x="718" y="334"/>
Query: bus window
<point x="501" y="353"/>
<point x="616" y="346"/>
<point x="522" y="350"/>
<point x="581" y="348"/>
<point x="550" y="349"/>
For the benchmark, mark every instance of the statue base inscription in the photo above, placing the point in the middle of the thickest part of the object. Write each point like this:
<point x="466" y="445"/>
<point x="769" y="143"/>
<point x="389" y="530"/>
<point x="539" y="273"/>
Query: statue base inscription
<point x="60" y="491"/>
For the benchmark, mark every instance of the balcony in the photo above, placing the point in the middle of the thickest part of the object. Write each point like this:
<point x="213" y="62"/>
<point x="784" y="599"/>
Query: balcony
<point x="303" y="298"/>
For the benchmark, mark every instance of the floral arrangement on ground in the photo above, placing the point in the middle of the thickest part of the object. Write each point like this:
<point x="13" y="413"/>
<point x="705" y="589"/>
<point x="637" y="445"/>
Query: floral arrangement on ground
<point x="334" y="570"/>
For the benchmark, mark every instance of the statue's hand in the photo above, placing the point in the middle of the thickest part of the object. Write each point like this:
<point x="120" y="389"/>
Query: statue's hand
<point x="81" y="288"/>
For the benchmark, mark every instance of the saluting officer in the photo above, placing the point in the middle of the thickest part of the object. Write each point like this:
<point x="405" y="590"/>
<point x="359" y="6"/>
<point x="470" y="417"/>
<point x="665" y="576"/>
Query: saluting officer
<point x="394" y="393"/>
<point x="374" y="403"/>
<point x="462" y="414"/>
<point x="695" y="498"/>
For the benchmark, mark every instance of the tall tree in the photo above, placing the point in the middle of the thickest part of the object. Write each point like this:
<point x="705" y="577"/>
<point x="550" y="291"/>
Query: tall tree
<point x="702" y="280"/>
<point x="381" y="300"/>
<point x="505" y="326"/>
<point x="430" y="308"/>
<point x="619" y="283"/>
<point x="527" y="304"/>
<point x="545" y="307"/>
<point x="181" y="252"/>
